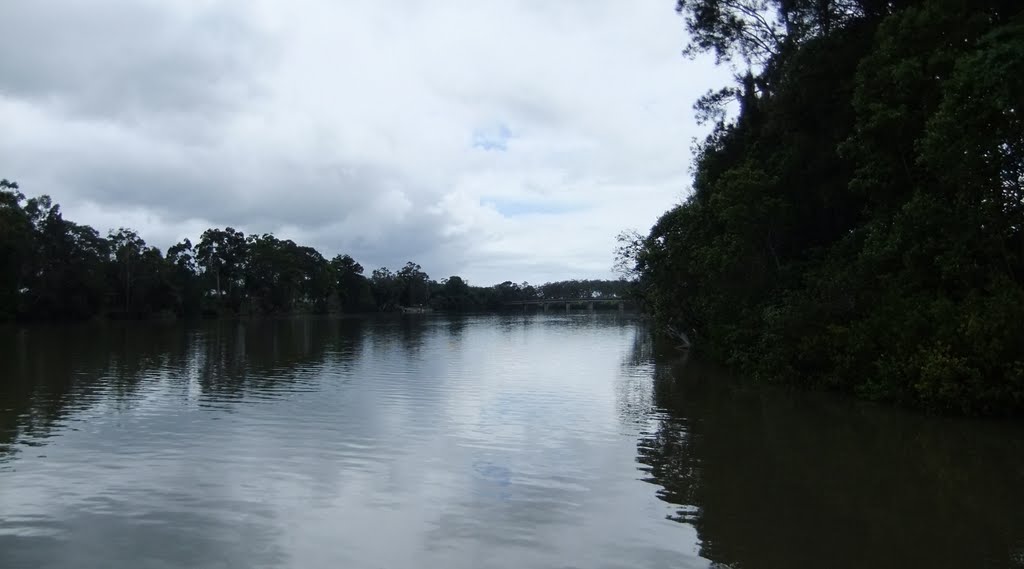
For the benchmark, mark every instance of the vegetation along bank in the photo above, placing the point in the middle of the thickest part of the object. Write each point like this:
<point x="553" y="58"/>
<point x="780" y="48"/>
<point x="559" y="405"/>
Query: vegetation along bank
<point x="858" y="224"/>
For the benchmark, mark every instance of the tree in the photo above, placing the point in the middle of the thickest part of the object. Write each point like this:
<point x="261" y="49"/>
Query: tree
<point x="386" y="289"/>
<point x="55" y="268"/>
<point x="352" y="288"/>
<point x="454" y="293"/>
<point x="413" y="285"/>
<point x="222" y="255"/>
<point x="184" y="278"/>
<point x="127" y="249"/>
<point x="317" y="280"/>
<point x="16" y="244"/>
<point x="860" y="223"/>
<point x="68" y="268"/>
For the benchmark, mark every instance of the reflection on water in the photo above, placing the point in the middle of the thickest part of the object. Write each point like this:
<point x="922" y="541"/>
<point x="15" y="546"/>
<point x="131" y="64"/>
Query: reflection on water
<point x="774" y="478"/>
<point x="515" y="441"/>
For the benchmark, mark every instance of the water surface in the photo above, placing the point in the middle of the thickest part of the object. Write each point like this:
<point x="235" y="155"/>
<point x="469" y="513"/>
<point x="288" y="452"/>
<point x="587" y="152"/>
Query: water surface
<point x="493" y="441"/>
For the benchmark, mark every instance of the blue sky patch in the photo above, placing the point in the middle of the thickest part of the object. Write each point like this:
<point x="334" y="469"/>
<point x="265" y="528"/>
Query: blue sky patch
<point x="492" y="138"/>
<point x="513" y="208"/>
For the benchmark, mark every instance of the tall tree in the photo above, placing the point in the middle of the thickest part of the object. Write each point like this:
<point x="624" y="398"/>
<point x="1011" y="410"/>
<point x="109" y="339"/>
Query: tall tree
<point x="222" y="254"/>
<point x="16" y="244"/>
<point x="126" y="249"/>
<point x="414" y="285"/>
<point x="351" y="286"/>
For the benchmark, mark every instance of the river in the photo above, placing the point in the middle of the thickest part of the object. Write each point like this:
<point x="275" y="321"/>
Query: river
<point x="551" y="441"/>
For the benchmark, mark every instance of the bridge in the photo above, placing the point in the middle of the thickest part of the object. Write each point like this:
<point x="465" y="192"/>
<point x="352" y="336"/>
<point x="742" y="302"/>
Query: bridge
<point x="545" y="303"/>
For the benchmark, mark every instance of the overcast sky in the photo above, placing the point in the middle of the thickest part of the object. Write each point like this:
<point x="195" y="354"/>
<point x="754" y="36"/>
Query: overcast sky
<point x="497" y="140"/>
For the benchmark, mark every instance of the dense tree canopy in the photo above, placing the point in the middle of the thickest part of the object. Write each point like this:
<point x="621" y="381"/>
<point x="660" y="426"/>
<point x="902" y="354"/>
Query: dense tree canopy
<point x="54" y="268"/>
<point x="860" y="223"/>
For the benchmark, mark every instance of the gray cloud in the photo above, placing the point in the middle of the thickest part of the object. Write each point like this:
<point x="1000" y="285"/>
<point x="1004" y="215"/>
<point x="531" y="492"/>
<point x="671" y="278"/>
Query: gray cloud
<point x="128" y="60"/>
<point x="501" y="141"/>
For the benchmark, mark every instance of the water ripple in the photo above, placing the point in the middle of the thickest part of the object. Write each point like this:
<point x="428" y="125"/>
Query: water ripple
<point x="501" y="441"/>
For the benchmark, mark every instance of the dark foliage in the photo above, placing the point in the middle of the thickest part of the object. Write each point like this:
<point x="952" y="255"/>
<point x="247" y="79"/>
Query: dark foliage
<point x="860" y="224"/>
<point x="51" y="268"/>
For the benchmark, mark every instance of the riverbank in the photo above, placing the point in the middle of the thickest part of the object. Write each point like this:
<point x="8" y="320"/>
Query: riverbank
<point x="858" y="225"/>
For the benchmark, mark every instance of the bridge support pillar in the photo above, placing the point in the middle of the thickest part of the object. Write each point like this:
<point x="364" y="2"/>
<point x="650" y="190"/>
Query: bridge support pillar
<point x="622" y="307"/>
<point x="566" y="307"/>
<point x="590" y="306"/>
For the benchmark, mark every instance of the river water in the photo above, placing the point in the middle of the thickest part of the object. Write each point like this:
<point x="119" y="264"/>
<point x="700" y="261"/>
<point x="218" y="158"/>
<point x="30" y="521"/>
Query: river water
<point x="488" y="441"/>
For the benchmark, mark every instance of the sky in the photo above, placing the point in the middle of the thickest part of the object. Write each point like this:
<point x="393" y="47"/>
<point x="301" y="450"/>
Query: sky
<point x="498" y="141"/>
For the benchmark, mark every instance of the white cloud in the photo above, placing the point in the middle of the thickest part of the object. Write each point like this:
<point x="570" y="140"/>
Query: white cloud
<point x="500" y="140"/>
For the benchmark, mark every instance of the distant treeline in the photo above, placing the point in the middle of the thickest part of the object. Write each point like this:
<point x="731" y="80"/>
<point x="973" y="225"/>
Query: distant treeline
<point x="860" y="224"/>
<point x="52" y="268"/>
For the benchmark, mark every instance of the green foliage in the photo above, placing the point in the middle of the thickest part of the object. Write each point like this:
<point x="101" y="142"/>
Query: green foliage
<point x="16" y="241"/>
<point x="56" y="269"/>
<point x="860" y="224"/>
<point x="352" y="288"/>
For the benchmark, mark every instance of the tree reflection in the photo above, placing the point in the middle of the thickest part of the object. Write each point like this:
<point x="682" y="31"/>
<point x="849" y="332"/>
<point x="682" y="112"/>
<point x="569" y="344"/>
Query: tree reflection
<point x="49" y="373"/>
<point x="773" y="478"/>
<point x="46" y="373"/>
